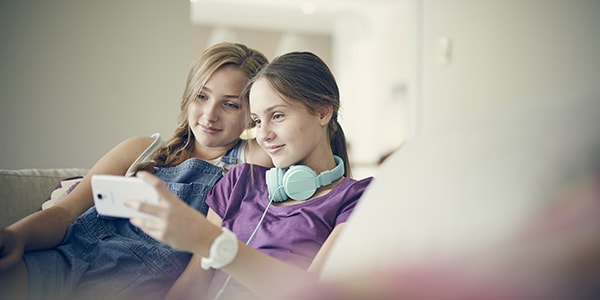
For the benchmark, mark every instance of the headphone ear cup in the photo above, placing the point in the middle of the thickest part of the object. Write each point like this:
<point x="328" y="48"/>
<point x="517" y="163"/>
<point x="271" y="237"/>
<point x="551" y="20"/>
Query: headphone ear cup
<point x="274" y="178"/>
<point x="300" y="182"/>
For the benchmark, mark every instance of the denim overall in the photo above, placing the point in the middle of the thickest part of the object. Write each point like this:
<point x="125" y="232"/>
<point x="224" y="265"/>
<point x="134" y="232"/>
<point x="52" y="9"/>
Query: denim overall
<point x="105" y="257"/>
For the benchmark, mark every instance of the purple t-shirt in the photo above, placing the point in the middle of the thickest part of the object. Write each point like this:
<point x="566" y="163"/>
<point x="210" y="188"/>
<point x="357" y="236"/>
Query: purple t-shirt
<point x="293" y="233"/>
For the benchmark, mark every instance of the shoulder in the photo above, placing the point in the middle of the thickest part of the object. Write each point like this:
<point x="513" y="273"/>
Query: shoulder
<point x="255" y="155"/>
<point x="246" y="169"/>
<point x="244" y="175"/>
<point x="356" y="185"/>
<point x="139" y="142"/>
<point x="347" y="191"/>
<point x="121" y="157"/>
<point x="348" y="194"/>
<point x="238" y="183"/>
<point x="350" y="190"/>
<point x="149" y="144"/>
<point x="129" y="149"/>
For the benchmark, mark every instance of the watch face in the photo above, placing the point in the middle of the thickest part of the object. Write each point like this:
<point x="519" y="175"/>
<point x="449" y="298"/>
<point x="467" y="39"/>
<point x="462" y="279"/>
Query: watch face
<point x="228" y="247"/>
<point x="222" y="251"/>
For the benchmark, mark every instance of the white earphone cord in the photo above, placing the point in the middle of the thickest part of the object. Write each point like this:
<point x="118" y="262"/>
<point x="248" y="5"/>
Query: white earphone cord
<point x="247" y="243"/>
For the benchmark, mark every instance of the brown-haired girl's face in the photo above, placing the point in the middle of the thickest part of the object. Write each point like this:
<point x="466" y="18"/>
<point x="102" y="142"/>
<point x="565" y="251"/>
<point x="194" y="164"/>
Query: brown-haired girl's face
<point x="217" y="115"/>
<point x="288" y="132"/>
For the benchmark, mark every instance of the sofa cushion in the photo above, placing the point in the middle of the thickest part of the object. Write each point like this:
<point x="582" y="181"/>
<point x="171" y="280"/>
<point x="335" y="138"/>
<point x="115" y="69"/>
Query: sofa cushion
<point x="23" y="191"/>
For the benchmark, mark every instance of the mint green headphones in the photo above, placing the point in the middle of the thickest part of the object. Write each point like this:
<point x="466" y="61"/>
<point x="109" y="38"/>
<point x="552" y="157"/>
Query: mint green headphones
<point x="300" y="182"/>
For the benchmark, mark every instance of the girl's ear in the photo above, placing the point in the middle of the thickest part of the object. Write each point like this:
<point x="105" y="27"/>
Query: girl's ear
<point x="325" y="114"/>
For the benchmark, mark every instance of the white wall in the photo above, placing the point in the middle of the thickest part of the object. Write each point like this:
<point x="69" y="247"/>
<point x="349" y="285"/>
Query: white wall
<point x="77" y="77"/>
<point x="372" y="54"/>
<point x="506" y="126"/>
<point x="74" y="73"/>
<point x="505" y="52"/>
<point x="367" y="44"/>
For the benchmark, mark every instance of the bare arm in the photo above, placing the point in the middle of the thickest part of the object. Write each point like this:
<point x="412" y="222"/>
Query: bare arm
<point x="320" y="258"/>
<point x="46" y="228"/>
<point x="194" y="281"/>
<point x="257" y="270"/>
<point x="266" y="276"/>
<point x="185" y="228"/>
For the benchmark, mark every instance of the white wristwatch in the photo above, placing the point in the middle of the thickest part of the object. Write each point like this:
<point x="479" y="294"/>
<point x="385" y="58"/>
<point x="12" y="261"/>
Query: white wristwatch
<point x="222" y="251"/>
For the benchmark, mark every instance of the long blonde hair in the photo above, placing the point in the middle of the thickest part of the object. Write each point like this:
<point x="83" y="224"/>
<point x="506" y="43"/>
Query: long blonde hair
<point x="180" y="146"/>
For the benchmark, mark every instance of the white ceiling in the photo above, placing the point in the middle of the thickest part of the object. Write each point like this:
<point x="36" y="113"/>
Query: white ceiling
<point x="315" y="16"/>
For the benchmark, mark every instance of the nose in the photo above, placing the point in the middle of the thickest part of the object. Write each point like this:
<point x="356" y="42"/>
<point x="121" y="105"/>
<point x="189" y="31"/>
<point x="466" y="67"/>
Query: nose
<point x="264" y="132"/>
<point x="209" y="111"/>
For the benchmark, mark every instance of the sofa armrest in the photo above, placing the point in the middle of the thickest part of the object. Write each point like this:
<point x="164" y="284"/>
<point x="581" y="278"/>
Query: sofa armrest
<point x="23" y="191"/>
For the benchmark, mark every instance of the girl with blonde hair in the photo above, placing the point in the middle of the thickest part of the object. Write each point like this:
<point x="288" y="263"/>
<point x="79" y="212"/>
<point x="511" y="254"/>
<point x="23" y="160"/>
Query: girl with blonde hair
<point x="70" y="251"/>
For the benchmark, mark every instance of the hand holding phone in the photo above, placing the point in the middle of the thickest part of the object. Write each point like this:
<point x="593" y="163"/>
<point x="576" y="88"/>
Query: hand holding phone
<point x="111" y="191"/>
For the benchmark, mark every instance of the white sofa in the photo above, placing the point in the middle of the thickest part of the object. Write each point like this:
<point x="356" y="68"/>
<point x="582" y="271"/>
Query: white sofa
<point x="23" y="191"/>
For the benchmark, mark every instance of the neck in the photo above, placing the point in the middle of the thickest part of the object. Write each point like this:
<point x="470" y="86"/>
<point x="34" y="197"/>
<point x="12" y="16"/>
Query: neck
<point x="210" y="153"/>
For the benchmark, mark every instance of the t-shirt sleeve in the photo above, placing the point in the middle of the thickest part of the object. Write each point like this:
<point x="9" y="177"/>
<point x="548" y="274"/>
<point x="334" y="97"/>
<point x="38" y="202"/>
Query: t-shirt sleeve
<point x="352" y="196"/>
<point x="217" y="198"/>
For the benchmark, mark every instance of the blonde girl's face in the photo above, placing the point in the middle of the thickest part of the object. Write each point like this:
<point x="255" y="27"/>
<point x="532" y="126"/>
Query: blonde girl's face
<point x="217" y="115"/>
<point x="288" y="132"/>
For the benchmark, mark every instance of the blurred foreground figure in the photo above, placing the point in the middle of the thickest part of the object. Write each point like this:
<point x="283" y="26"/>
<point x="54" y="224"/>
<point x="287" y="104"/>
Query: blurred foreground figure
<point x="557" y="257"/>
<point x="503" y="206"/>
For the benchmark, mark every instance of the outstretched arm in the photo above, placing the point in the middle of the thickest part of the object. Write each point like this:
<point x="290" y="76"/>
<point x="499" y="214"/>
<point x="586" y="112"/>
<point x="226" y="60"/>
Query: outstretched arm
<point x="184" y="228"/>
<point x="193" y="283"/>
<point x="45" y="229"/>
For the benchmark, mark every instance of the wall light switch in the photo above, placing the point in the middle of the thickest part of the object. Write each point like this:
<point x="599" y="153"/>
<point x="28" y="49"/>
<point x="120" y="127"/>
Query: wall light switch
<point x="444" y="51"/>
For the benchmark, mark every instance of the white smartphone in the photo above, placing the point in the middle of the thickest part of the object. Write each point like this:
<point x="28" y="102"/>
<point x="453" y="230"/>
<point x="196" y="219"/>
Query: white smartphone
<point x="110" y="192"/>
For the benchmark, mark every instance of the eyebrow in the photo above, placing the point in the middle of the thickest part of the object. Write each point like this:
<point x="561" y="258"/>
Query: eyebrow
<point x="231" y="96"/>
<point x="271" y="108"/>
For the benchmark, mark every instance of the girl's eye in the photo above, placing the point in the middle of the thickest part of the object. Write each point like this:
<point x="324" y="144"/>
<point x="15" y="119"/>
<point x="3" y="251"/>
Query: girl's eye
<point x="256" y="121"/>
<point x="277" y="116"/>
<point x="201" y="97"/>
<point x="231" y="105"/>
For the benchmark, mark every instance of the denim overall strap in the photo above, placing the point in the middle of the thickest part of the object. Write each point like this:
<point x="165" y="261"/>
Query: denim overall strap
<point x="192" y="180"/>
<point x="109" y="255"/>
<point x="231" y="157"/>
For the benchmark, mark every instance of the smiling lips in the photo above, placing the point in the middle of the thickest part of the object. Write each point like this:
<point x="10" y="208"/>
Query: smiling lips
<point x="209" y="129"/>
<point x="274" y="149"/>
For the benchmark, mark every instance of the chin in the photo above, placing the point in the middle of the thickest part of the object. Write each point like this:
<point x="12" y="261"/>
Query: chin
<point x="278" y="163"/>
<point x="209" y="142"/>
<point x="281" y="163"/>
